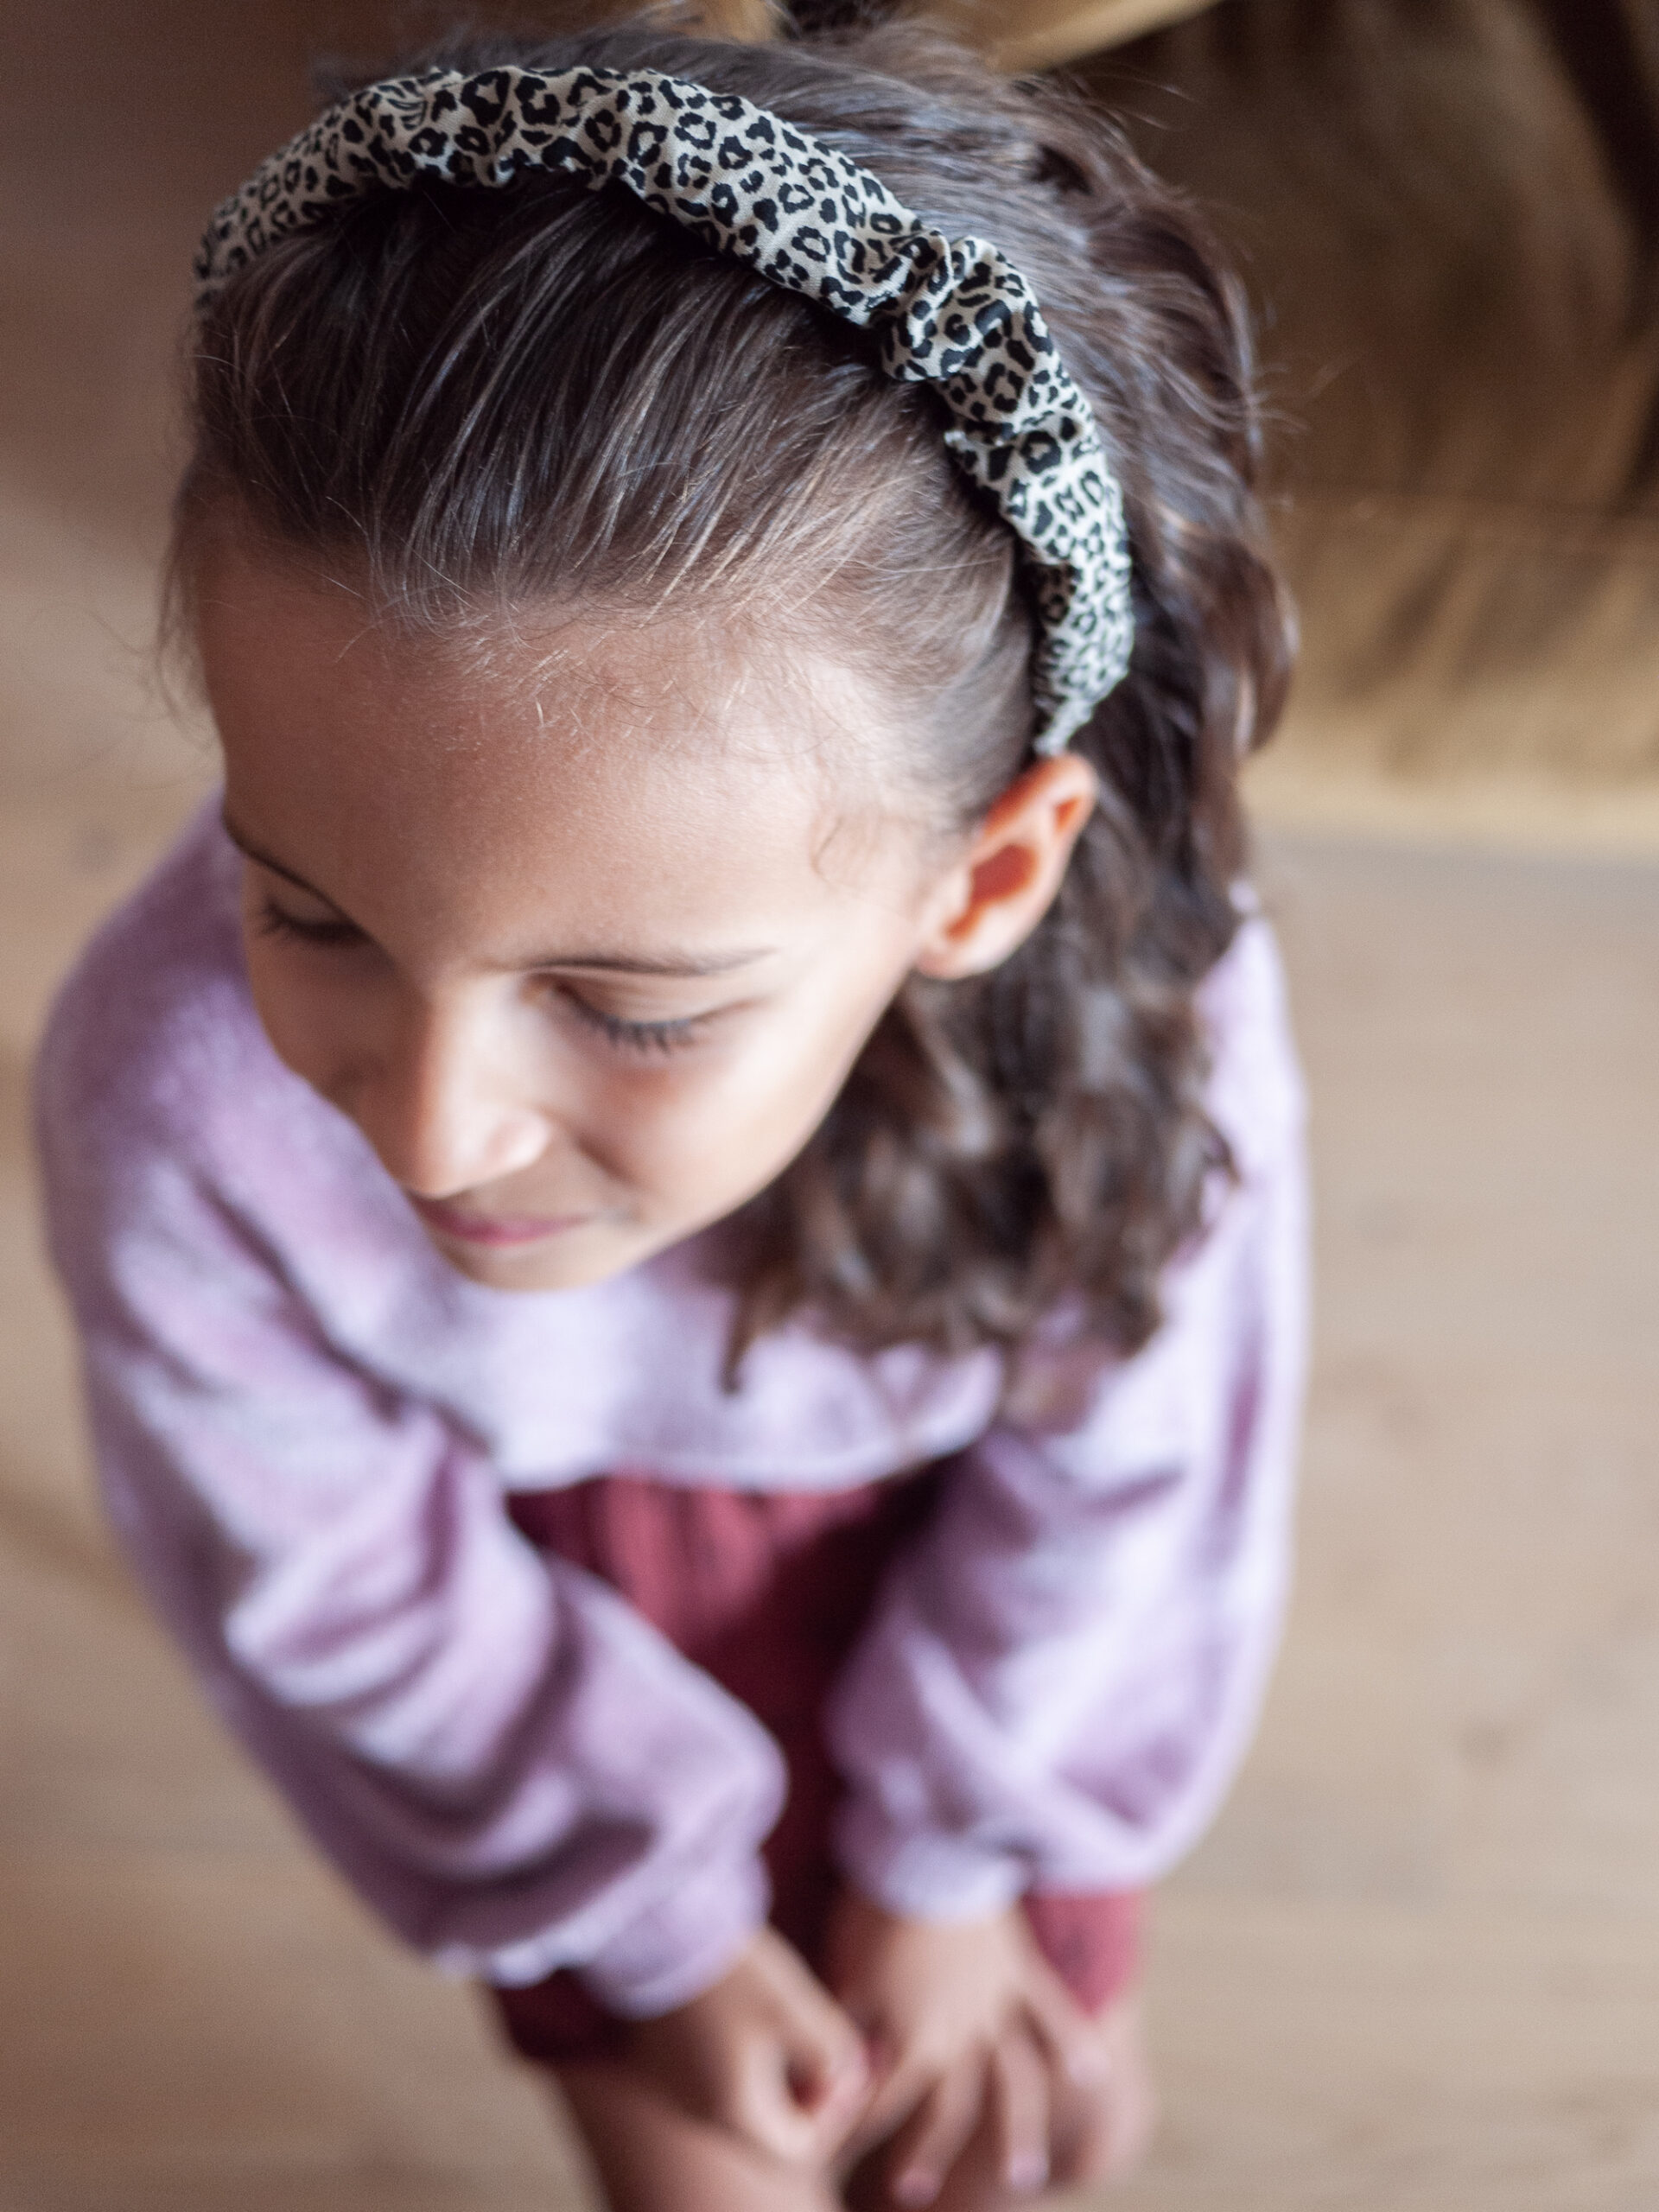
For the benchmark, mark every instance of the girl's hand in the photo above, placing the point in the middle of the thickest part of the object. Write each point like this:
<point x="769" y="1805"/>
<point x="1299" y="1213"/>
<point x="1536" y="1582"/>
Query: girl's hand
<point x="963" y="2017"/>
<point x="766" y="2053"/>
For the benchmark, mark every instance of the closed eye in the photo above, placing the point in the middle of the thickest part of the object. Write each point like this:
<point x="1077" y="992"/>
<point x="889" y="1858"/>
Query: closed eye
<point x="646" y="1037"/>
<point x="272" y="921"/>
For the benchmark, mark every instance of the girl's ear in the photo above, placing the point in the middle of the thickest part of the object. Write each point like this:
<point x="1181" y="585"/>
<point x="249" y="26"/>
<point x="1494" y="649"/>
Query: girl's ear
<point x="993" y="896"/>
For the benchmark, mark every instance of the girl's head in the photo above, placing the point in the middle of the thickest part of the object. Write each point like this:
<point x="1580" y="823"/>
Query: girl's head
<point x="627" y="706"/>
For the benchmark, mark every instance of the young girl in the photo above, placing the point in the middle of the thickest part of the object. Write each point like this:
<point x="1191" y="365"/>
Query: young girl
<point x="685" y="1208"/>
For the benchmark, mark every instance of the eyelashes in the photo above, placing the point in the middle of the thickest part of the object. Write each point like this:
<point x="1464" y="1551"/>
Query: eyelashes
<point x="645" y="1040"/>
<point x="271" y="921"/>
<point x="648" y="1039"/>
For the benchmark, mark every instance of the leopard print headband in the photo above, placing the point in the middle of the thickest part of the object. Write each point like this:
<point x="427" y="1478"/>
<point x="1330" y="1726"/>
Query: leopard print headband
<point x="950" y="312"/>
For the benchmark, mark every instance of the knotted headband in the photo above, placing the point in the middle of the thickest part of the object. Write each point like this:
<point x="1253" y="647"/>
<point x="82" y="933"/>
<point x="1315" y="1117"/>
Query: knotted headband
<point x="952" y="312"/>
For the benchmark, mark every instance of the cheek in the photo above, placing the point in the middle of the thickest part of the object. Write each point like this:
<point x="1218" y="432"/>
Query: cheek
<point x="713" y="1130"/>
<point x="311" y="1028"/>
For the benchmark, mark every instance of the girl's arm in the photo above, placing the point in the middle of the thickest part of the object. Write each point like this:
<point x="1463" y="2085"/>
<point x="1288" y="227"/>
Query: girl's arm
<point x="1064" y="1674"/>
<point x="512" y="1766"/>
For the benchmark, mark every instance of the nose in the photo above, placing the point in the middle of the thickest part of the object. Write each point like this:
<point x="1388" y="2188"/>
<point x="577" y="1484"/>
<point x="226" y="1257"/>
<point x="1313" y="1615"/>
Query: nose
<point x="446" y="1106"/>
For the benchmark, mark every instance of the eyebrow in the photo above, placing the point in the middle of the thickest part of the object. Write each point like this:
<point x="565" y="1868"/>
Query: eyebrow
<point x="246" y="846"/>
<point x="672" y="963"/>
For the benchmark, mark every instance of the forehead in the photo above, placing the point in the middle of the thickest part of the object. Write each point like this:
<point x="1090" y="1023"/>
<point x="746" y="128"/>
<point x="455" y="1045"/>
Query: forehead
<point x="577" y="747"/>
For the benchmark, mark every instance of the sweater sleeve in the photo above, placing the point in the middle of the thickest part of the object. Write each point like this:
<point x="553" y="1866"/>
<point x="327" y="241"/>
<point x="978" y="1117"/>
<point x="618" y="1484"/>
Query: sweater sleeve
<point x="1061" y="1678"/>
<point x="514" y="1768"/>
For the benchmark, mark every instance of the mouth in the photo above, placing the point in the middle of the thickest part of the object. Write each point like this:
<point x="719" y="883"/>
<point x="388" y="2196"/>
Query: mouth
<point x="496" y="1232"/>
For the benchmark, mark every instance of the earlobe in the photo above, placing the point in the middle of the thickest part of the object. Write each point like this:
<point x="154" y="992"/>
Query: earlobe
<point x="1003" y="885"/>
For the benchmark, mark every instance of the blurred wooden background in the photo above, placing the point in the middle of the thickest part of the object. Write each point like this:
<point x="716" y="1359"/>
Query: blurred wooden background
<point x="1448" y="212"/>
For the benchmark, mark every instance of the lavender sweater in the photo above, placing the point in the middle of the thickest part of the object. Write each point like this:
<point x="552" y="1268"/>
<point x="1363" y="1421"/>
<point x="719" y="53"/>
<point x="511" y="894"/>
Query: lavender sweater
<point x="305" y="1423"/>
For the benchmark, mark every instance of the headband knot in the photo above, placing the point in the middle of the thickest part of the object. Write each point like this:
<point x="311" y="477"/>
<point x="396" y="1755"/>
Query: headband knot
<point x="950" y="312"/>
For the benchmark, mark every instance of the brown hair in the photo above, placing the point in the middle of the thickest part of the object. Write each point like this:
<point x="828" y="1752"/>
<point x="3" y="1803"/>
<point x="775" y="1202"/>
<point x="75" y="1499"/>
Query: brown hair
<point x="487" y="394"/>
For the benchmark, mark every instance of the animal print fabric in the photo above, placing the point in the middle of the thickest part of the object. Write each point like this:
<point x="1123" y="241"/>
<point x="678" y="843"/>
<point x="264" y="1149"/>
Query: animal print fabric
<point x="950" y="312"/>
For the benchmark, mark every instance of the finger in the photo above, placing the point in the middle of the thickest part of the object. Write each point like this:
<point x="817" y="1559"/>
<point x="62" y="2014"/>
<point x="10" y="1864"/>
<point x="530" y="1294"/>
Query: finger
<point x="1019" y="2095"/>
<point x="1072" y="2039"/>
<point x="897" y="2089"/>
<point x="1134" y="2097"/>
<point x="1099" y="2134"/>
<point x="899" y="2079"/>
<point x="827" y="2066"/>
<point x="828" y="2069"/>
<point x="936" y="2138"/>
<point x="762" y="2108"/>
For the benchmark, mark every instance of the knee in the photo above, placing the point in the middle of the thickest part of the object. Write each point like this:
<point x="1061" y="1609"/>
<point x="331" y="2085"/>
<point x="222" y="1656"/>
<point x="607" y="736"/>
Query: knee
<point x="1104" y="2152"/>
<point x="1107" y="2138"/>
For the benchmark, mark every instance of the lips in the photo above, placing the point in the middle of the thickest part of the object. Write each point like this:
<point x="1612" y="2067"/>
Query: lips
<point x="496" y="1230"/>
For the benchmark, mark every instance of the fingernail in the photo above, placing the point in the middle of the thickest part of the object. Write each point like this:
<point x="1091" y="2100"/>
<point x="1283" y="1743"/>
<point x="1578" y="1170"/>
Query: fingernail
<point x="1088" y="2065"/>
<point x="1027" y="2174"/>
<point x="916" y="2187"/>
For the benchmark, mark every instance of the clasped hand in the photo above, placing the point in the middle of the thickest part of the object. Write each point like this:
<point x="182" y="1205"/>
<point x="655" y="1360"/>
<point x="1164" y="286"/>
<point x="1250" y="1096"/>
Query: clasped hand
<point x="926" y="2035"/>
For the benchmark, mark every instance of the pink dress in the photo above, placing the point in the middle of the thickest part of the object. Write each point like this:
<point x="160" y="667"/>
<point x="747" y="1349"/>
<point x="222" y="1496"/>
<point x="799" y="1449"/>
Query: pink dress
<point x="311" y="1434"/>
